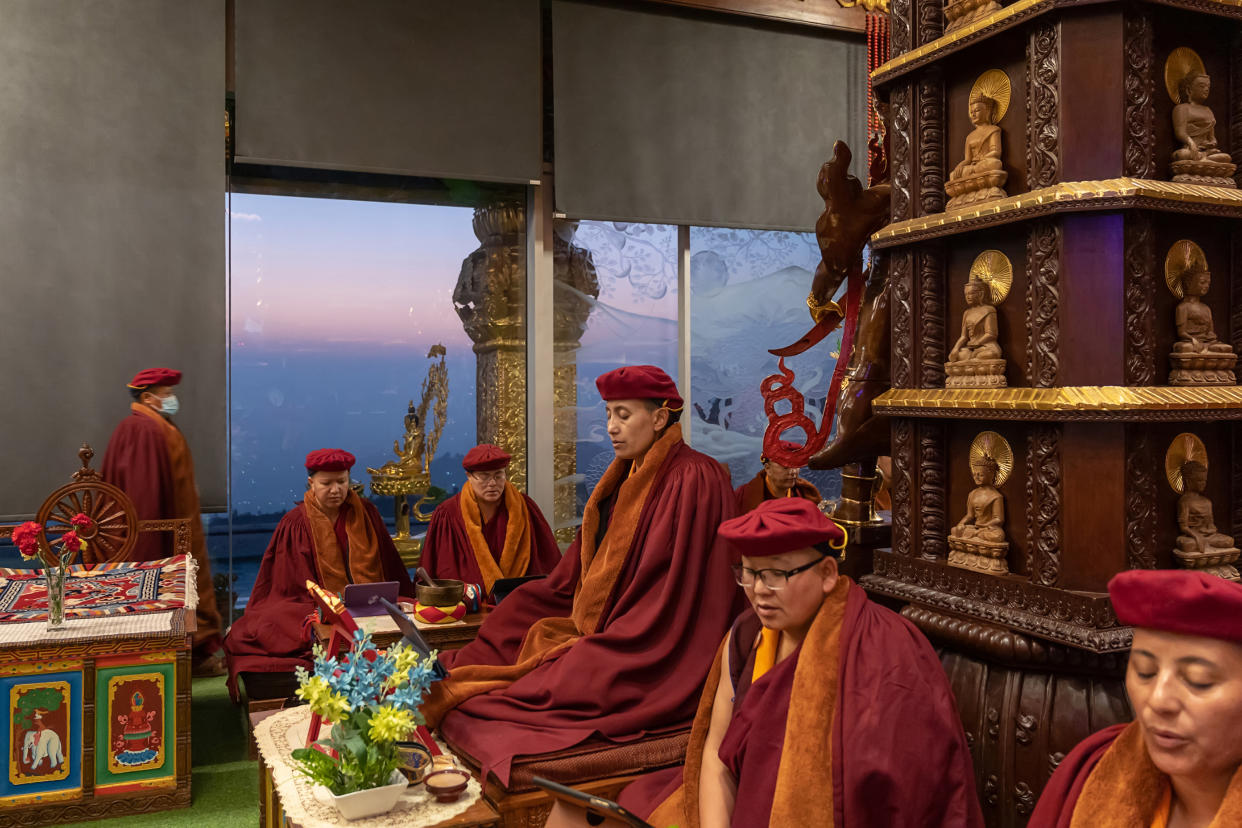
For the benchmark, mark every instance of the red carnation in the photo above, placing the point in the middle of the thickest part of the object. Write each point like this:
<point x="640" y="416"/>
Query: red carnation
<point x="71" y="541"/>
<point x="26" y="537"/>
<point x="81" y="521"/>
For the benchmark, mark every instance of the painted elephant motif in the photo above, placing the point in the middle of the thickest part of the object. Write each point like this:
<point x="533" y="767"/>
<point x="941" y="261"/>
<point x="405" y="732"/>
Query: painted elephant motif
<point x="42" y="745"/>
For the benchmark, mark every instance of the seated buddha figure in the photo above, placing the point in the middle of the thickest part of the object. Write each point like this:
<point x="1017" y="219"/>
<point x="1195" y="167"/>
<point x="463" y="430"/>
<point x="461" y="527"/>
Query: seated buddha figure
<point x="1195" y="332"/>
<point x="1199" y="159"/>
<point x="985" y="506"/>
<point x="976" y="360"/>
<point x="1194" y="516"/>
<point x="980" y="174"/>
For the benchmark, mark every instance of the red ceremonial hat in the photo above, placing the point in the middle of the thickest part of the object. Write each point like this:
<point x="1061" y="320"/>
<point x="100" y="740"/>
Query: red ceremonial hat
<point x="1179" y="601"/>
<point x="780" y="525"/>
<point x="485" y="457"/>
<point x="329" y="460"/>
<point x="155" y="376"/>
<point x="639" y="382"/>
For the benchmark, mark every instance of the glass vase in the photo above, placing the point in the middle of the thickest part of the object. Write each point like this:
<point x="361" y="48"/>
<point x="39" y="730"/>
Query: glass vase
<point x="55" y="576"/>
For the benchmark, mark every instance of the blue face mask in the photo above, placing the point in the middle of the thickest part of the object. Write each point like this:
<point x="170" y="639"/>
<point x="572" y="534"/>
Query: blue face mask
<point x="169" y="405"/>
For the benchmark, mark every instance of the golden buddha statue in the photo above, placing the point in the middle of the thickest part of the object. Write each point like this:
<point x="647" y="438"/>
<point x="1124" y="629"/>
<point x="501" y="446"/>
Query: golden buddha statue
<point x="1200" y="545"/>
<point x="980" y="176"/>
<point x="1198" y="357"/>
<point x="976" y="360"/>
<point x="978" y="540"/>
<point x="1198" y="159"/>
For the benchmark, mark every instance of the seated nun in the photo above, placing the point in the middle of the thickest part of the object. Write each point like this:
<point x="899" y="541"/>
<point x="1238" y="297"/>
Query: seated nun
<point x="823" y="708"/>
<point x="333" y="537"/>
<point x="1179" y="763"/>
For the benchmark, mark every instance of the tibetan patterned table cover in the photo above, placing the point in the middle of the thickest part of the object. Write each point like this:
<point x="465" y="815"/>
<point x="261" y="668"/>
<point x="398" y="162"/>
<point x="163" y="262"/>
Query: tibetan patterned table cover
<point x="100" y="590"/>
<point x="309" y="806"/>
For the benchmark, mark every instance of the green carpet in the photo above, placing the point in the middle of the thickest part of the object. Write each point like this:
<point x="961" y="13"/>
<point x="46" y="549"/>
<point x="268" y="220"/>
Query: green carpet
<point x="225" y="784"/>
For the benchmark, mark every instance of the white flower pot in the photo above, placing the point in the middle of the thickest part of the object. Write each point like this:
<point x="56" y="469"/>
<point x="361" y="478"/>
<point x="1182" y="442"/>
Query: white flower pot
<point x="362" y="804"/>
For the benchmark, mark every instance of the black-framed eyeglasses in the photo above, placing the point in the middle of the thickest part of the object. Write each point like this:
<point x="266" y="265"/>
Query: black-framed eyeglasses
<point x="773" y="579"/>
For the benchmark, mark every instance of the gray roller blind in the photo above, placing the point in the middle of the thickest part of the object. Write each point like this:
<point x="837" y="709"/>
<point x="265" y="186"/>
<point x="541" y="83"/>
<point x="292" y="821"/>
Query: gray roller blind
<point x="699" y="120"/>
<point x="436" y="88"/>
<point x="111" y="227"/>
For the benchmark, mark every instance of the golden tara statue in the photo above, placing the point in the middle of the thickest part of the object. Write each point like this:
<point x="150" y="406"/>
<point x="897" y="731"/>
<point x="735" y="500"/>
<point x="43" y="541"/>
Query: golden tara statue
<point x="1200" y="545"/>
<point x="981" y="176"/>
<point x="975" y="360"/>
<point x="1199" y="159"/>
<point x="978" y="540"/>
<point x="410" y="473"/>
<point x="958" y="13"/>
<point x="1199" y="357"/>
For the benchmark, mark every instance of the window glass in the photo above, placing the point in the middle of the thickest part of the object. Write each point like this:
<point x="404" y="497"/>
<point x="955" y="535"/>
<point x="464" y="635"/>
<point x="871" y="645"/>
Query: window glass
<point x="748" y="294"/>
<point x="616" y="304"/>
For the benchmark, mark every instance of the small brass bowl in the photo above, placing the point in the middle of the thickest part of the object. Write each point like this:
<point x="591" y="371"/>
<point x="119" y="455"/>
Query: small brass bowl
<point x="446" y="593"/>
<point x="446" y="785"/>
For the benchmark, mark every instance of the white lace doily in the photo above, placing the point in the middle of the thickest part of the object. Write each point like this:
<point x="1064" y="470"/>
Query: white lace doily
<point x="279" y="735"/>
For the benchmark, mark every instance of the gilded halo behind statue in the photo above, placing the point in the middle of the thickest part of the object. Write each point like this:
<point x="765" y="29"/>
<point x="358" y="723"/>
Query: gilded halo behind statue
<point x="1200" y="545"/>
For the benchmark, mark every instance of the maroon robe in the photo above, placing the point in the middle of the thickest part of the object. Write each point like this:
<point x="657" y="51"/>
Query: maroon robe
<point x="640" y="672"/>
<point x="272" y="635"/>
<point x="447" y="552"/>
<point x="1056" y="804"/>
<point x="899" y="754"/>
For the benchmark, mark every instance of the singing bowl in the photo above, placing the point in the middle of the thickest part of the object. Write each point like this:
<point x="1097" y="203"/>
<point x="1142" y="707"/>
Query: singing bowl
<point x="446" y="593"/>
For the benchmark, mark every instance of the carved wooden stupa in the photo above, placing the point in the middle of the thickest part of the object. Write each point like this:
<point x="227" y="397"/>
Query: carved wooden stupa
<point x="1101" y="170"/>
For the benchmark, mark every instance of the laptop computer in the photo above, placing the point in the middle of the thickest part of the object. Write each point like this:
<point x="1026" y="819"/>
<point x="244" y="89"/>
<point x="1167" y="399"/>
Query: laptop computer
<point x="363" y="600"/>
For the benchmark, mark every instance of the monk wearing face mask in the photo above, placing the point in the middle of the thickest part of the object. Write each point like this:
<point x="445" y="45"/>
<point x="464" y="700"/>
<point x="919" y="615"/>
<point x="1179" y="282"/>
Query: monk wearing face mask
<point x="148" y="459"/>
<point x="1179" y="763"/>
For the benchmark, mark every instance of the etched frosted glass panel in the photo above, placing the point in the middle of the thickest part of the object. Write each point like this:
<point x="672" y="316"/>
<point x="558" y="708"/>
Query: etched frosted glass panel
<point x="748" y="294"/>
<point x="616" y="304"/>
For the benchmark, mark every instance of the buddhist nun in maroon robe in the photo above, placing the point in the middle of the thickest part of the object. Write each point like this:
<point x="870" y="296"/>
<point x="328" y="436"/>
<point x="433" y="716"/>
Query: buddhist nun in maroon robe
<point x="617" y="640"/>
<point x="489" y="530"/>
<point x="148" y="459"/>
<point x="334" y="538"/>
<point x="822" y="709"/>
<point x="1180" y="761"/>
<point x="774" y="481"/>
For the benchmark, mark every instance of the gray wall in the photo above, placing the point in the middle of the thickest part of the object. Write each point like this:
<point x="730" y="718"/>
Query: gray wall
<point x="112" y="229"/>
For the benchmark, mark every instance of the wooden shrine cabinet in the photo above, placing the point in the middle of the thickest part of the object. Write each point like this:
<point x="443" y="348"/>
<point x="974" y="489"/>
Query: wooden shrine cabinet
<point x="1084" y="428"/>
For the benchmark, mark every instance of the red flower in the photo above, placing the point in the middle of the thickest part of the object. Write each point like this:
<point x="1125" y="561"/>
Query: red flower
<point x="370" y="655"/>
<point x="81" y="521"/>
<point x="71" y="541"/>
<point x="26" y="538"/>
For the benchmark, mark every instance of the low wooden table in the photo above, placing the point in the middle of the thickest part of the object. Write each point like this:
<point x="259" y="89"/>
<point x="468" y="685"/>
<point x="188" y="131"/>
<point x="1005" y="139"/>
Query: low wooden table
<point x="438" y="637"/>
<point x="272" y="815"/>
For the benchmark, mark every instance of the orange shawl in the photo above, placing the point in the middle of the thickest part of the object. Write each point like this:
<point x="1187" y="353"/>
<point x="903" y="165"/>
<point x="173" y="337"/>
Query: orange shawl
<point x="600" y="569"/>
<point x="1126" y="789"/>
<point x="808" y="729"/>
<point x="515" y="557"/>
<point x="364" y="562"/>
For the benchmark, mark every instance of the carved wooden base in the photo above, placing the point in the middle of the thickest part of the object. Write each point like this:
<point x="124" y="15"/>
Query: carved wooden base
<point x="1202" y="369"/>
<point x="1207" y="173"/>
<point x="975" y="373"/>
<point x="975" y="189"/>
<point x="958" y="13"/>
<point x="1217" y="562"/>
<point x="985" y="556"/>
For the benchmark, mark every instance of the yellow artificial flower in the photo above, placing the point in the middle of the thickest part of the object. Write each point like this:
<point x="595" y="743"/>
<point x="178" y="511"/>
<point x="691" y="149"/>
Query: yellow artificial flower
<point x="331" y="706"/>
<point x="389" y="724"/>
<point x="404" y="659"/>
